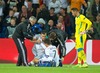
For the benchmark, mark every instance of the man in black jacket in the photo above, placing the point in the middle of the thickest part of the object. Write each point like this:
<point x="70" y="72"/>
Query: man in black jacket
<point x="22" y="31"/>
<point x="58" y="38"/>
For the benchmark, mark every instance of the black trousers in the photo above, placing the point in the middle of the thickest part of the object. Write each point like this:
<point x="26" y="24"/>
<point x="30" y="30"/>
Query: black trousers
<point x="62" y="51"/>
<point x="22" y="57"/>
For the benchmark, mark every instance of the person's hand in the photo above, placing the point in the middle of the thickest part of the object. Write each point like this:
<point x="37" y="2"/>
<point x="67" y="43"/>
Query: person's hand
<point x="62" y="59"/>
<point x="84" y="32"/>
<point x="38" y="41"/>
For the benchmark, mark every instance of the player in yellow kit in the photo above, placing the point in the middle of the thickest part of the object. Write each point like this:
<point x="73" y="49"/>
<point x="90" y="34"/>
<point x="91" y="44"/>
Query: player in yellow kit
<point x="82" y="26"/>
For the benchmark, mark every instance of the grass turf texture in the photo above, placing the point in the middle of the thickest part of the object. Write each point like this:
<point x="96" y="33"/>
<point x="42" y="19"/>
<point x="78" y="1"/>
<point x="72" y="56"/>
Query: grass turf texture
<point x="12" y="68"/>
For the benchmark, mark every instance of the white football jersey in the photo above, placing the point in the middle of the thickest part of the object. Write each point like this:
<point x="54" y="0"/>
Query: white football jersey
<point x="38" y="49"/>
<point x="51" y="54"/>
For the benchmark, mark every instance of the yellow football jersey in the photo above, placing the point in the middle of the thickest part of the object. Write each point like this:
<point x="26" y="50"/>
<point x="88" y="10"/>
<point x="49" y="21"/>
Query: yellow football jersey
<point x="82" y="24"/>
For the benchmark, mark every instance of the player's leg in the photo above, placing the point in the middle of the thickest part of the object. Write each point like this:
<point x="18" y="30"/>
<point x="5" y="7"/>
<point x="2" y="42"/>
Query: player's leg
<point x="83" y="56"/>
<point x="60" y="56"/>
<point x="83" y="53"/>
<point x="19" y="62"/>
<point x="36" y="61"/>
<point x="23" y="52"/>
<point x="79" y="48"/>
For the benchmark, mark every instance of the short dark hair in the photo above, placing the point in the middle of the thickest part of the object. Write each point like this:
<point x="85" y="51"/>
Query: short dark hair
<point x="47" y="41"/>
<point x="74" y="9"/>
<point x="52" y="35"/>
<point x="63" y="8"/>
<point x="52" y="8"/>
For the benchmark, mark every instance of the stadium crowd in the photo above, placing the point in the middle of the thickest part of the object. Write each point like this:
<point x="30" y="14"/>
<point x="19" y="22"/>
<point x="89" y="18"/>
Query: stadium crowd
<point x="50" y="14"/>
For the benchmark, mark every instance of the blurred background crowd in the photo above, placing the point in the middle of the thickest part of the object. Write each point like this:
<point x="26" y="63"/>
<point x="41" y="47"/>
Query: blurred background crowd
<point x="50" y="14"/>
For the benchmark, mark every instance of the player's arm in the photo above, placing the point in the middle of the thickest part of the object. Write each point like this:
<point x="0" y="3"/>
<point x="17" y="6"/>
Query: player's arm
<point x="87" y="21"/>
<point x="36" y="39"/>
<point x="34" y="50"/>
<point x="26" y="32"/>
<point x="89" y="24"/>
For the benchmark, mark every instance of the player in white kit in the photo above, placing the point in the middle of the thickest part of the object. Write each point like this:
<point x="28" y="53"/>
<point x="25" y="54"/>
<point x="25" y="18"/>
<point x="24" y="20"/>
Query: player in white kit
<point x="50" y="57"/>
<point x="38" y="48"/>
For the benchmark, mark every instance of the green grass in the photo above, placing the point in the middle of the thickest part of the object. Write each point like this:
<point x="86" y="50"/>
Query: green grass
<point x="12" y="68"/>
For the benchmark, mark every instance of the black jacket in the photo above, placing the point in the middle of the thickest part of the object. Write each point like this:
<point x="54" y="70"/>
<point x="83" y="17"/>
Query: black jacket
<point x="60" y="40"/>
<point x="23" y="30"/>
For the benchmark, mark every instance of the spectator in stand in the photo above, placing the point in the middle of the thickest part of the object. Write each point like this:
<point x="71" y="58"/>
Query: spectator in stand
<point x="42" y="23"/>
<point x="35" y="4"/>
<point x="85" y="8"/>
<point x="43" y="13"/>
<point x="6" y="9"/>
<point x="77" y="4"/>
<point x="23" y="12"/>
<point x="12" y="3"/>
<point x="3" y="29"/>
<point x="46" y="2"/>
<point x="26" y="3"/>
<point x="59" y="26"/>
<point x="50" y="25"/>
<point x="95" y="8"/>
<point x="61" y="20"/>
<point x="0" y="24"/>
<point x="96" y="26"/>
<point x="64" y="3"/>
<point x="20" y="4"/>
<point x="2" y="4"/>
<point x="31" y="10"/>
<point x="37" y="11"/>
<point x="68" y="27"/>
<point x="6" y="22"/>
<point x="11" y="28"/>
<point x="55" y="4"/>
<point x="16" y="13"/>
<point x="88" y="10"/>
<point x="52" y="15"/>
<point x="92" y="34"/>
<point x="38" y="27"/>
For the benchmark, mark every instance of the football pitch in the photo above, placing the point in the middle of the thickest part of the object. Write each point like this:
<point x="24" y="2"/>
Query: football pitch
<point x="12" y="68"/>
